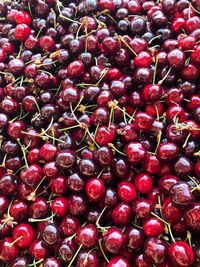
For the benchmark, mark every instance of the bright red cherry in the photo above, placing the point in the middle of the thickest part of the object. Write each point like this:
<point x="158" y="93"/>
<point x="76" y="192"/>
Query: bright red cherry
<point x="87" y="236"/>
<point x="181" y="254"/>
<point x="153" y="227"/>
<point x="25" y="235"/>
<point x="22" y="17"/>
<point x="95" y="189"/>
<point x="59" y="206"/>
<point x="22" y="32"/>
<point x="126" y="192"/>
<point x="75" y="69"/>
<point x="143" y="183"/>
<point x="143" y="60"/>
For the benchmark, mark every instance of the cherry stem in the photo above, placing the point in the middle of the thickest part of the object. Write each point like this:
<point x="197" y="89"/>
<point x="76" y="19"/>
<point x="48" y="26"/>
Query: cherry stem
<point x="86" y="258"/>
<point x="101" y="248"/>
<point x="42" y="220"/>
<point x="105" y="71"/>
<point x="36" y="262"/>
<point x="123" y="41"/>
<point x="166" y="223"/>
<point x="189" y="237"/>
<point x="72" y="260"/>
<point x="99" y="218"/>
<point x="155" y="69"/>
<point x="11" y="244"/>
<point x="163" y="79"/>
<point x="115" y="149"/>
<point x="23" y="149"/>
<point x="186" y="141"/>
<point x="158" y="141"/>
<point x="32" y="194"/>
<point x="154" y="38"/>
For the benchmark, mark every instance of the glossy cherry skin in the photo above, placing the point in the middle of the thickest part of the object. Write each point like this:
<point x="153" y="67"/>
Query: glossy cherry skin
<point x="39" y="208"/>
<point x="135" y="238"/>
<point x="59" y="206"/>
<point x="155" y="251"/>
<point x="66" y="158"/>
<point x="142" y="208"/>
<point x="22" y="32"/>
<point x="170" y="212"/>
<point x="95" y="189"/>
<point x="87" y="236"/>
<point x="75" y="69"/>
<point x="4" y="203"/>
<point x="69" y="225"/>
<point x="19" y="210"/>
<point x="27" y="234"/>
<point x="153" y="227"/>
<point x="181" y="254"/>
<point x="166" y="182"/>
<point x="135" y="152"/>
<point x="105" y="135"/>
<point x="8" y="252"/>
<point x="51" y="261"/>
<point x="22" y="17"/>
<point x="121" y="214"/>
<point x="32" y="175"/>
<point x="143" y="183"/>
<point x="84" y="257"/>
<point x="48" y="152"/>
<point x="114" y="240"/>
<point x="118" y="261"/>
<point x="191" y="217"/>
<point x="38" y="249"/>
<point x="20" y="262"/>
<point x="50" y="234"/>
<point x="181" y="195"/>
<point x="126" y="192"/>
<point x="167" y="151"/>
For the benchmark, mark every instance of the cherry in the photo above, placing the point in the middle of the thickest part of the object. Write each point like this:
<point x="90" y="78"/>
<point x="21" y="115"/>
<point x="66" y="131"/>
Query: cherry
<point x="4" y="202"/>
<point x="87" y="236"/>
<point x="87" y="257"/>
<point x="152" y="93"/>
<point x="143" y="121"/>
<point x="48" y="152"/>
<point x="191" y="217"/>
<point x="167" y="151"/>
<point x="170" y="212"/>
<point x="38" y="249"/>
<point x="126" y="192"/>
<point x="22" y="17"/>
<point x="19" y="210"/>
<point x="142" y="208"/>
<point x="50" y="234"/>
<point x="25" y="235"/>
<point x="166" y="182"/>
<point x="77" y="205"/>
<point x="110" y="45"/>
<point x="181" y="254"/>
<point x="31" y="175"/>
<point x="59" y="206"/>
<point x="181" y="195"/>
<point x="47" y="43"/>
<point x="39" y="208"/>
<point x="114" y="240"/>
<point x="95" y="189"/>
<point x="135" y="238"/>
<point x="51" y="261"/>
<point x="20" y="262"/>
<point x="75" y="68"/>
<point x="121" y="214"/>
<point x="9" y="250"/>
<point x="66" y="158"/>
<point x="153" y="227"/>
<point x="105" y="135"/>
<point x="118" y="261"/>
<point x="135" y="152"/>
<point x="69" y="225"/>
<point x="155" y="251"/>
<point x="22" y="32"/>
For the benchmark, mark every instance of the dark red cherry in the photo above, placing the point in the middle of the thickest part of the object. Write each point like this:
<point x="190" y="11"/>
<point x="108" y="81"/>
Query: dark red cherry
<point x="87" y="236"/>
<point x="114" y="240"/>
<point x="135" y="152"/>
<point x="9" y="250"/>
<point x="121" y="214"/>
<point x="155" y="251"/>
<point x="142" y="208"/>
<point x="181" y="195"/>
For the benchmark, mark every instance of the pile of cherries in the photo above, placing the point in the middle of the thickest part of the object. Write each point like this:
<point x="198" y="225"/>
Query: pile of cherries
<point x="99" y="133"/>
